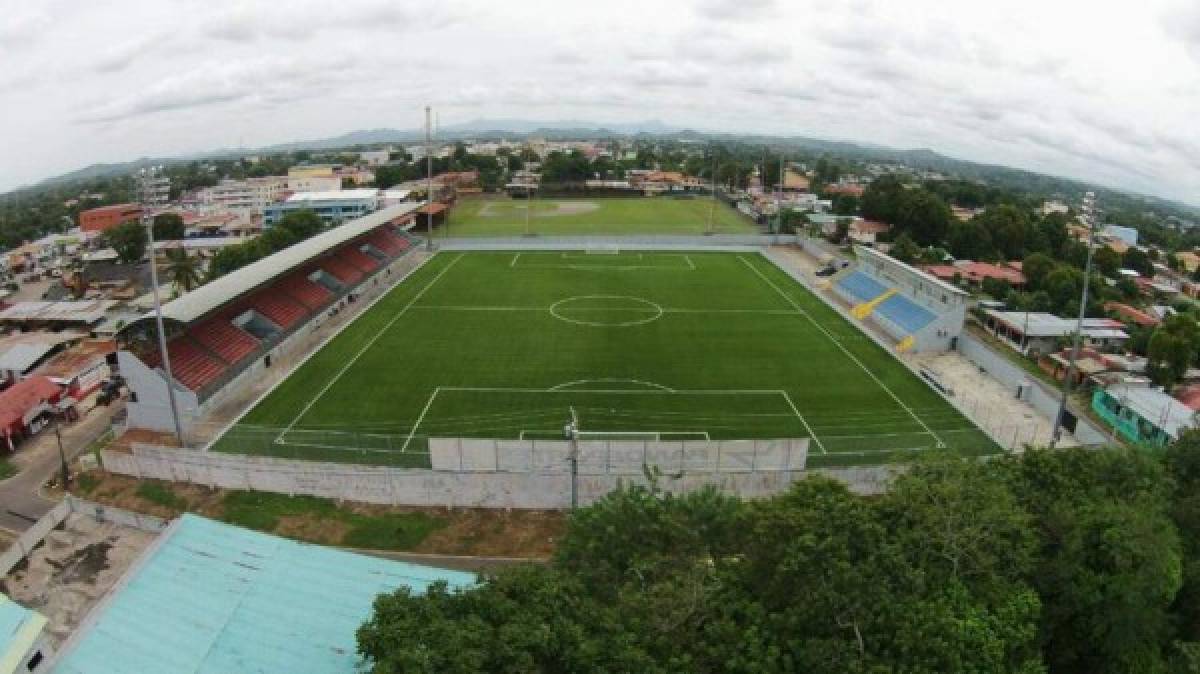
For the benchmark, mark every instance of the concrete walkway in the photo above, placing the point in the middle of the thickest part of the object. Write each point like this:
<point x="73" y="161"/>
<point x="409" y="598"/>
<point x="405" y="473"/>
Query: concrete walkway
<point x="21" y="502"/>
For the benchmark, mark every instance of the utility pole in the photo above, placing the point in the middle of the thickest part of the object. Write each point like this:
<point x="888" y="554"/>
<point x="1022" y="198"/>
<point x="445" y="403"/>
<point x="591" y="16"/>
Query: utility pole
<point x="572" y="432"/>
<point x="62" y="455"/>
<point x="712" y="208"/>
<point x="1089" y="216"/>
<point x="779" y="203"/>
<point x="429" y="180"/>
<point x="148" y="223"/>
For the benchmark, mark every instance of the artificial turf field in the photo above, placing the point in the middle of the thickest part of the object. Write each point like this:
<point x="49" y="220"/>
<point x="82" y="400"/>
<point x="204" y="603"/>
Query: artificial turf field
<point x="661" y="344"/>
<point x="607" y="215"/>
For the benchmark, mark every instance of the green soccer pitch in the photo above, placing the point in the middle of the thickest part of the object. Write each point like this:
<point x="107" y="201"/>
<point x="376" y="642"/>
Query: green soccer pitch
<point x="608" y="215"/>
<point x="664" y="345"/>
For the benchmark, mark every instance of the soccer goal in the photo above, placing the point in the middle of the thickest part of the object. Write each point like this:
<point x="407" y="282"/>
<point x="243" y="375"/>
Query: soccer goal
<point x="603" y="249"/>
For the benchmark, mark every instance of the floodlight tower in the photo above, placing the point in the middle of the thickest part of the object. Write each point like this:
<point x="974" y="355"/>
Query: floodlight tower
<point x="428" y="181"/>
<point x="145" y="184"/>
<point x="1089" y="219"/>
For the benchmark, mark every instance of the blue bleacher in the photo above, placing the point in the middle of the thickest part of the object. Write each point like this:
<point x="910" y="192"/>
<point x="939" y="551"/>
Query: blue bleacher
<point x="905" y="313"/>
<point x="861" y="286"/>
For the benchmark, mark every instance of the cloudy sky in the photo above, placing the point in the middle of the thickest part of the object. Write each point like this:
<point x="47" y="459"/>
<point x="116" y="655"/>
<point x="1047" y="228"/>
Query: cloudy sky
<point x="1108" y="91"/>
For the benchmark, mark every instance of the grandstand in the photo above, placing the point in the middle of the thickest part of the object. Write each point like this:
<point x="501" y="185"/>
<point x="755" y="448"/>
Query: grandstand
<point x="221" y="334"/>
<point x="918" y="311"/>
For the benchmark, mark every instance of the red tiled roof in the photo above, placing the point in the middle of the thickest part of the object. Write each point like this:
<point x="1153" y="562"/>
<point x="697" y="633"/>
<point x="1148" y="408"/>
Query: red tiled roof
<point x="871" y="226"/>
<point x="24" y="396"/>
<point x="977" y="271"/>
<point x="1133" y="314"/>
<point x="1190" y="396"/>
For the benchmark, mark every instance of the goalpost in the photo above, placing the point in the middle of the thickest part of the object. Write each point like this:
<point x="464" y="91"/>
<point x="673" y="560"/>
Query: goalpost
<point x="603" y="249"/>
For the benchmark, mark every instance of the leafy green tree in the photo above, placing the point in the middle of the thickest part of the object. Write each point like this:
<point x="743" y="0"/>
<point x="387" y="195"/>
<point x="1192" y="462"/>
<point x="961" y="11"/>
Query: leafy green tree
<point x="905" y="249"/>
<point x="1107" y="261"/>
<point x="1036" y="267"/>
<point x="1064" y="285"/>
<point x="1138" y="261"/>
<point x="970" y="240"/>
<point x="129" y="239"/>
<point x="183" y="270"/>
<point x="1172" y="349"/>
<point x="168" y="227"/>
<point x="301" y="224"/>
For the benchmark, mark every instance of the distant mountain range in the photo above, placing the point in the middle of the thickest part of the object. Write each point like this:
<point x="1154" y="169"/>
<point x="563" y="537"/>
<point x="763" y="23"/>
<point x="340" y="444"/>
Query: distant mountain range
<point x="516" y="129"/>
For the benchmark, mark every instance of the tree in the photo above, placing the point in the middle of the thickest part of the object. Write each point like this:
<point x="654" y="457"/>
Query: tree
<point x="905" y="249"/>
<point x="1107" y="261"/>
<point x="1138" y="261"/>
<point x="168" y="227"/>
<point x="1172" y="349"/>
<point x="1010" y="229"/>
<point x="1036" y="268"/>
<point x="129" y="239"/>
<point x="183" y="270"/>
<point x="301" y="224"/>
<point x="970" y="240"/>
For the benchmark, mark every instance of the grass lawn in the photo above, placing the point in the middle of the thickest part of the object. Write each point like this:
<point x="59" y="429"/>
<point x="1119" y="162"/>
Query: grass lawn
<point x="7" y="469"/>
<point x="667" y="345"/>
<point x="624" y="215"/>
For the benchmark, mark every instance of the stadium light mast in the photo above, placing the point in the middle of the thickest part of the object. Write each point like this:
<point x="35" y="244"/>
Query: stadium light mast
<point x="428" y="181"/>
<point x="146" y="178"/>
<point x="571" y="430"/>
<point x="712" y="207"/>
<point x="1089" y="218"/>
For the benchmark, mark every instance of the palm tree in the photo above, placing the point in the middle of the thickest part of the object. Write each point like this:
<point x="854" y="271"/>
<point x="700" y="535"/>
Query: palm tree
<point x="183" y="270"/>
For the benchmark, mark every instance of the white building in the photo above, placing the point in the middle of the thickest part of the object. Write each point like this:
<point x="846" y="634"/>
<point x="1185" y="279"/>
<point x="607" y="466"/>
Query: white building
<point x="314" y="183"/>
<point x="375" y="157"/>
<point x="251" y="195"/>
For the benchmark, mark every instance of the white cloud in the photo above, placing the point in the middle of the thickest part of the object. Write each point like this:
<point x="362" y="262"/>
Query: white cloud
<point x="1107" y="94"/>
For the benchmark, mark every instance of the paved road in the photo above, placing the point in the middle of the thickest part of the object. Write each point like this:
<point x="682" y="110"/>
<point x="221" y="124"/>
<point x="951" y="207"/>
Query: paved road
<point x="20" y="502"/>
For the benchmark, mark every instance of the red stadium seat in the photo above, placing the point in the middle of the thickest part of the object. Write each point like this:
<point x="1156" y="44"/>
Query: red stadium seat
<point x="225" y="339"/>
<point x="278" y="308"/>
<point x="298" y="287"/>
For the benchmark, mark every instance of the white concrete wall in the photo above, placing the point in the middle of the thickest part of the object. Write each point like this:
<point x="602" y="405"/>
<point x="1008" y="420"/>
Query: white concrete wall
<point x="752" y="470"/>
<point x="153" y="409"/>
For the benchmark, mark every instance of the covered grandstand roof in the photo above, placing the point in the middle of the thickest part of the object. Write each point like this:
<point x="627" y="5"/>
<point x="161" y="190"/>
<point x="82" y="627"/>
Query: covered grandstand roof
<point x="211" y="296"/>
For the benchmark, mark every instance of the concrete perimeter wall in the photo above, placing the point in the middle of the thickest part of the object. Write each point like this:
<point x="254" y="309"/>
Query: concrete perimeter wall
<point x="543" y="483"/>
<point x="1037" y="394"/>
<point x="618" y="457"/>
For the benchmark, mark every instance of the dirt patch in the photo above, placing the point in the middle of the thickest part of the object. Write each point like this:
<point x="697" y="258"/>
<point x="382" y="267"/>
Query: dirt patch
<point x="311" y="528"/>
<point x="498" y="533"/>
<point x="125" y="441"/>
<point x="461" y="531"/>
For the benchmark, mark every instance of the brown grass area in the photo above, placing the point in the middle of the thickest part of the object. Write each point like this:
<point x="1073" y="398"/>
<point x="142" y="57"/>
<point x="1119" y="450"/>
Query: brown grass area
<point x="125" y="442"/>
<point x="466" y="531"/>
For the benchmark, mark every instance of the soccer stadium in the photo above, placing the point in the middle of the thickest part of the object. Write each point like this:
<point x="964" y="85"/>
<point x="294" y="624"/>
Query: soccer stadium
<point x="686" y="344"/>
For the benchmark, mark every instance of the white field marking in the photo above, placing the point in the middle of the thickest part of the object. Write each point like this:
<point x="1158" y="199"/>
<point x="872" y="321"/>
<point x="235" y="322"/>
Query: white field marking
<point x="514" y="260"/>
<point x="465" y="307"/>
<point x="534" y="432"/>
<point x="799" y="416"/>
<point x="513" y="389"/>
<point x="428" y="404"/>
<point x="566" y="385"/>
<point x="368" y="345"/>
<point x="652" y="309"/>
<point x="872" y="435"/>
<point x="567" y="255"/>
<point x="844" y="350"/>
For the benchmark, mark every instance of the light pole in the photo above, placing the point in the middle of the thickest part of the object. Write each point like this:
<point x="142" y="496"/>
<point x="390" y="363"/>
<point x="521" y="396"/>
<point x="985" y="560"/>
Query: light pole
<point x="62" y="455"/>
<point x="1089" y="216"/>
<point x="428" y="179"/>
<point x="571" y="431"/>
<point x="148" y="223"/>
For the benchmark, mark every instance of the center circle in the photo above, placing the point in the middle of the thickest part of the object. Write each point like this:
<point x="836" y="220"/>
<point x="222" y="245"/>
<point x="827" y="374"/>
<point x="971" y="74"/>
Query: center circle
<point x="618" y="311"/>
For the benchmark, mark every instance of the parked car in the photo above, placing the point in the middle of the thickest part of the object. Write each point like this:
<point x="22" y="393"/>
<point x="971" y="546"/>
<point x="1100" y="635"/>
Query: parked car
<point x="829" y="270"/>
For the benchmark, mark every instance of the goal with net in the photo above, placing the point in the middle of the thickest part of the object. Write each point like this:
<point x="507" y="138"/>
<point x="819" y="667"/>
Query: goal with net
<point x="603" y="249"/>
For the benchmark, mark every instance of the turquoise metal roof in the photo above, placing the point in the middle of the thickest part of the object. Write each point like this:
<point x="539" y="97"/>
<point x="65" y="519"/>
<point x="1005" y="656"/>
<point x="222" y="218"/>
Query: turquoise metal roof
<point x="211" y="597"/>
<point x="19" y="629"/>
